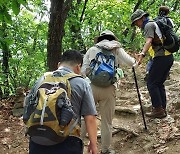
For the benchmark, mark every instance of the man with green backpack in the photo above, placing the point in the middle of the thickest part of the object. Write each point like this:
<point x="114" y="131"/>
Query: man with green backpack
<point x="54" y="107"/>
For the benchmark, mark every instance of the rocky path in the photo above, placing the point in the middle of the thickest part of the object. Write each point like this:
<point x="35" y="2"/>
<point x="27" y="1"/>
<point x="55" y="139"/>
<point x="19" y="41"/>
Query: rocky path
<point x="163" y="135"/>
<point x="129" y="136"/>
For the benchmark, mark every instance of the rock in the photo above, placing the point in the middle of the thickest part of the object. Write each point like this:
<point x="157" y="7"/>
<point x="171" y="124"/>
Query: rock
<point x="19" y="90"/>
<point x="177" y="104"/>
<point x="16" y="144"/>
<point x="177" y="134"/>
<point x="148" y="146"/>
<point x="18" y="105"/>
<point x="149" y="143"/>
<point x="136" y="107"/>
<point x="157" y="121"/>
<point x="177" y="116"/>
<point x="134" y="101"/>
<point x="169" y="119"/>
<point x="162" y="149"/>
<point x="147" y="107"/>
<point x="18" y="112"/>
<point x="19" y="99"/>
<point x="124" y="110"/>
<point x="149" y="139"/>
<point x="156" y="145"/>
<point x="120" y="101"/>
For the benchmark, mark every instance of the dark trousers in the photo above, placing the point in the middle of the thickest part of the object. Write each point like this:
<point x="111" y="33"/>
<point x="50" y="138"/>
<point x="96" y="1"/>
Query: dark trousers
<point x="72" y="145"/>
<point x="157" y="76"/>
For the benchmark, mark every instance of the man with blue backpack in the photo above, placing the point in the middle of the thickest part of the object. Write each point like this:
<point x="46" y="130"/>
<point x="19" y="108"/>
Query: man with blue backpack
<point x="100" y="65"/>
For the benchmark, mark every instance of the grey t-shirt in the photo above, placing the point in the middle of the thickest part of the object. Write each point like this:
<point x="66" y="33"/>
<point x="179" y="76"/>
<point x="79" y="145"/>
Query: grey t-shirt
<point x="81" y="95"/>
<point x="150" y="31"/>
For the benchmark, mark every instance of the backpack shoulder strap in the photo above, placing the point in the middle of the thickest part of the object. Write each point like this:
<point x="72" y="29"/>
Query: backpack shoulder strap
<point x="65" y="78"/>
<point x="71" y="75"/>
<point x="40" y="82"/>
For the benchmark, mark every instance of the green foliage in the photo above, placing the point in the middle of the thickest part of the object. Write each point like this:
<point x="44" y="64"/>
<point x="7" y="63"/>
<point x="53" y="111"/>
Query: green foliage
<point x="15" y="7"/>
<point x="113" y="15"/>
<point x="26" y="38"/>
<point x="29" y="54"/>
<point x="7" y="6"/>
<point x="27" y="24"/>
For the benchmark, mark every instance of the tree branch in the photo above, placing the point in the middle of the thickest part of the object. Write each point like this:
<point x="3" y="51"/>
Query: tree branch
<point x="84" y="8"/>
<point x="175" y="6"/>
<point x="151" y="3"/>
<point x="137" y="5"/>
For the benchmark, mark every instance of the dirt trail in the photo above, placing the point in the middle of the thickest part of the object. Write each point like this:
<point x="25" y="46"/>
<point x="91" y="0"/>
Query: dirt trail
<point x="162" y="136"/>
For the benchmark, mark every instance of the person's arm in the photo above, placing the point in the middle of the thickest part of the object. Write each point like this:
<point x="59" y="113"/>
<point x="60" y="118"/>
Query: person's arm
<point x="88" y="57"/>
<point x="145" y="49"/>
<point x="124" y="58"/>
<point x="85" y="65"/>
<point x="91" y="127"/>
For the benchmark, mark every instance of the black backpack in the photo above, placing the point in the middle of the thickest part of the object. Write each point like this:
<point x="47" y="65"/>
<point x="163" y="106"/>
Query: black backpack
<point x="171" y="41"/>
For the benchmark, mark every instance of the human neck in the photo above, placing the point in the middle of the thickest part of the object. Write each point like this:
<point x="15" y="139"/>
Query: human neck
<point x="66" y="65"/>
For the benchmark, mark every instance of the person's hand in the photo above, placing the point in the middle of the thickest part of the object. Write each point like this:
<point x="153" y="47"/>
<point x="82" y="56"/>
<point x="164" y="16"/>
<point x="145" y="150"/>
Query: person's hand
<point x="139" y="58"/>
<point x="92" y="148"/>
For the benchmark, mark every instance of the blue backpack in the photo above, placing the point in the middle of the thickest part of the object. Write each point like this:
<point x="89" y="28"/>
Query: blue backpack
<point x="102" y="69"/>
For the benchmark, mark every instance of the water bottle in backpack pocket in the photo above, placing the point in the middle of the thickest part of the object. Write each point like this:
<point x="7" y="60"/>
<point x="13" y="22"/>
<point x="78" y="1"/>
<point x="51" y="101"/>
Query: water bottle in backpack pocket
<point x="48" y="115"/>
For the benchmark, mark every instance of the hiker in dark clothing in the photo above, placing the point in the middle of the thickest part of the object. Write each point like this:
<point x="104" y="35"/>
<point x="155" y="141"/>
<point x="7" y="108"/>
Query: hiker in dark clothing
<point x="162" y="60"/>
<point x="163" y="12"/>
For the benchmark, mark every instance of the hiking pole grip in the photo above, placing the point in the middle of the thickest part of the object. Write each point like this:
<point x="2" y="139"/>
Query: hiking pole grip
<point x="142" y="111"/>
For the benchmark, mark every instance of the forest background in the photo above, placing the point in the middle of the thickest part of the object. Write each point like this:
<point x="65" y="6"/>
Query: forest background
<point x="34" y="33"/>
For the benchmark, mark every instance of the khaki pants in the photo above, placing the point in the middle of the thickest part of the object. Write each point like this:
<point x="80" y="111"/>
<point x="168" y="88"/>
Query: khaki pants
<point x="105" y="97"/>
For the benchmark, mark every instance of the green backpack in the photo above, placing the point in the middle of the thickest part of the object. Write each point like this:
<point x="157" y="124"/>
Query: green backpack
<point x="48" y="113"/>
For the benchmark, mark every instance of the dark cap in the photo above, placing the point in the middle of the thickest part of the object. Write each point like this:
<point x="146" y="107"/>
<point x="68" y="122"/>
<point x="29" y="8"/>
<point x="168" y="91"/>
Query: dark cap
<point x="138" y="14"/>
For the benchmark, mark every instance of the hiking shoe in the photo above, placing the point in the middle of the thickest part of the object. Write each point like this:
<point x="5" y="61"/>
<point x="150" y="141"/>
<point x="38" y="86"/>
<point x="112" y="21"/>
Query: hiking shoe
<point x="158" y="112"/>
<point x="109" y="151"/>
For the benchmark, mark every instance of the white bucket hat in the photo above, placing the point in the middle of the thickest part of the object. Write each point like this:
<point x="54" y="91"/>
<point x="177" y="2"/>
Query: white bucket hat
<point x="104" y="33"/>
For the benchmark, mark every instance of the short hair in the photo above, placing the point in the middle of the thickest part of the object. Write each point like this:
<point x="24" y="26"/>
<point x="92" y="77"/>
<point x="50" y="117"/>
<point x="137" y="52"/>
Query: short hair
<point x="163" y="10"/>
<point x="72" y="56"/>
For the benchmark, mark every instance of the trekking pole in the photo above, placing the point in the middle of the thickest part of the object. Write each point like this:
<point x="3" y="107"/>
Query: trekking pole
<point x="135" y="79"/>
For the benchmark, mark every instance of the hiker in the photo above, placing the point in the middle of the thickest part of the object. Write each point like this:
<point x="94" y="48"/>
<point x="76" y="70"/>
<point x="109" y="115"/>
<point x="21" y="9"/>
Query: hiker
<point x="162" y="60"/>
<point x="103" y="86"/>
<point x="83" y="105"/>
<point x="163" y="12"/>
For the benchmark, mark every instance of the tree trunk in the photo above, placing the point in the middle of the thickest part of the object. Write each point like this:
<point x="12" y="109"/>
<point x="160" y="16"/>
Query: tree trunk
<point x="5" y="62"/>
<point x="134" y="28"/>
<point x="58" y="14"/>
<point x="75" y="27"/>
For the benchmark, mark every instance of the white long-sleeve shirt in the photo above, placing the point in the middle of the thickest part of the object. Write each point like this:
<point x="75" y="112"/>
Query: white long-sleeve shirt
<point x="121" y="57"/>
